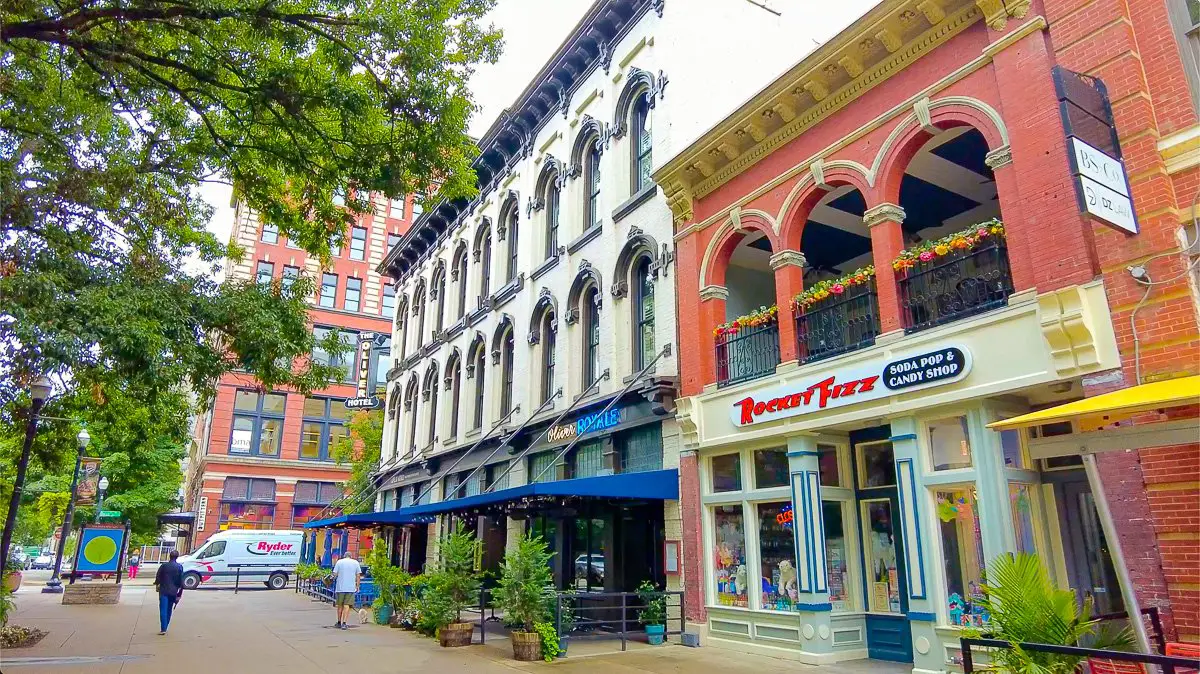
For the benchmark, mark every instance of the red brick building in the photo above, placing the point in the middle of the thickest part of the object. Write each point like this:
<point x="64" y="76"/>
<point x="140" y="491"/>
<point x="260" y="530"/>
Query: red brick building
<point x="262" y="460"/>
<point x="885" y="254"/>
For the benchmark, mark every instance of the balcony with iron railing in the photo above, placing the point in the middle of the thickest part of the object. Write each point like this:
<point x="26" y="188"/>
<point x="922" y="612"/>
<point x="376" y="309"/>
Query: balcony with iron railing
<point x="955" y="277"/>
<point x="748" y="347"/>
<point x="837" y="316"/>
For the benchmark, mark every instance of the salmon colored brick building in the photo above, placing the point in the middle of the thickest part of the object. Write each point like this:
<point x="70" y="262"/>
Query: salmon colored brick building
<point x="887" y="256"/>
<point x="262" y="460"/>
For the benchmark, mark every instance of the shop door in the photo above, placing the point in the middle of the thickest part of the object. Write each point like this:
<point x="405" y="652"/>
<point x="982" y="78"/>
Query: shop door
<point x="889" y="636"/>
<point x="1088" y="560"/>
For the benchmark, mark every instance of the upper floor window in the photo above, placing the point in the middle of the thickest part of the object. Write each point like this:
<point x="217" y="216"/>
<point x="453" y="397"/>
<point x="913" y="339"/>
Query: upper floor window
<point x="547" y="338"/>
<point x="358" y="243"/>
<point x="290" y="274"/>
<point x="455" y="394"/>
<point x="511" y="269"/>
<point x="248" y="489"/>
<point x="335" y="248"/>
<point x="460" y="267"/>
<point x="552" y="211"/>
<point x="485" y="266"/>
<point x="417" y="208"/>
<point x="316" y="493"/>
<point x="643" y="314"/>
<point x="431" y="395"/>
<point x="396" y="208"/>
<point x="419" y="306"/>
<point x="392" y="240"/>
<point x="353" y="299"/>
<point x="591" y="175"/>
<point x="402" y="327"/>
<point x="380" y="356"/>
<point x="439" y="290"/>
<point x="346" y="361"/>
<point x="292" y="244"/>
<point x="590" y="311"/>
<point x="323" y="427"/>
<point x="506" y="373"/>
<point x="257" y="423"/>
<point x="389" y="299"/>
<point x="270" y="233"/>
<point x="480" y="368"/>
<point x="410" y="404"/>
<point x="264" y="272"/>
<point x="329" y="284"/>
<point x="642" y="143"/>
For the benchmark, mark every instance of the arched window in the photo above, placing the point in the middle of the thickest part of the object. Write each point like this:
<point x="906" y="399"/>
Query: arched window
<point x="590" y="311"/>
<point x="480" y="362"/>
<point x="552" y="210"/>
<point x="419" y="307"/>
<point x="460" y="271"/>
<point x="506" y="373"/>
<point x="591" y="176"/>
<point x="402" y="327"/>
<point x="431" y="396"/>
<point x="410" y="404"/>
<point x="485" y="266"/>
<point x="455" y="393"/>
<point x="511" y="226"/>
<point x="547" y="329"/>
<point x="439" y="290"/>
<point x="640" y="148"/>
<point x="643" y="313"/>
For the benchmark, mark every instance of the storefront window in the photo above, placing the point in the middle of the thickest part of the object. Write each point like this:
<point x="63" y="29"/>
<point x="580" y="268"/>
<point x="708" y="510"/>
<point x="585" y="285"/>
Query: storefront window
<point x="588" y="547"/>
<point x="729" y="565"/>
<point x="1014" y="456"/>
<point x="827" y="465"/>
<point x="962" y="554"/>
<point x="949" y="444"/>
<point x="589" y="459"/>
<point x="727" y="473"/>
<point x="1020" y="498"/>
<point x="876" y="465"/>
<point x="770" y="468"/>
<point x="777" y="544"/>
<point x="883" y="578"/>
<point x="246" y="516"/>
<point x="837" y="556"/>
<point x="640" y="449"/>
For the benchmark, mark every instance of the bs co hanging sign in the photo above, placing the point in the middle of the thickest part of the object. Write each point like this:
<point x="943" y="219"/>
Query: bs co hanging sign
<point x="870" y="381"/>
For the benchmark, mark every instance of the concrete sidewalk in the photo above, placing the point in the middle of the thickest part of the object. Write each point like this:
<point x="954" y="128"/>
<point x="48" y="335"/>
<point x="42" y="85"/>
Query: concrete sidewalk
<point x="281" y="631"/>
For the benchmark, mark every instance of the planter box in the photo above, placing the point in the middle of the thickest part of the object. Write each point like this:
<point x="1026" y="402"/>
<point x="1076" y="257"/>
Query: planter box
<point x="456" y="634"/>
<point x="527" y="646"/>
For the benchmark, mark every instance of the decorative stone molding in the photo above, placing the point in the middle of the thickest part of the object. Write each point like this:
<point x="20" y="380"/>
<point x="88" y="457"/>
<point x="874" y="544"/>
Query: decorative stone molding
<point x="619" y="289"/>
<point x="633" y="231"/>
<point x="447" y="383"/>
<point x="1077" y="328"/>
<point x="534" y="337"/>
<point x="883" y="213"/>
<point x="544" y="293"/>
<point x="993" y="13"/>
<point x="495" y="356"/>
<point x="426" y="393"/>
<point x="788" y="258"/>
<point x="1017" y="9"/>
<point x="571" y="317"/>
<point x="817" y="169"/>
<point x="663" y="262"/>
<point x="924" y="116"/>
<point x="471" y="370"/>
<point x="1001" y="156"/>
<point x="714" y="293"/>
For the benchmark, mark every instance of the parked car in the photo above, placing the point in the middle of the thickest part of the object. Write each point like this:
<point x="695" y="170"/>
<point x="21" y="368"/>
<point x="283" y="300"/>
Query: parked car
<point x="596" y="575"/>
<point x="42" y="562"/>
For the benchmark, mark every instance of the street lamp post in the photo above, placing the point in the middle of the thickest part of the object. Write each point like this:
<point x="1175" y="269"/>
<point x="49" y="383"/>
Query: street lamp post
<point x="54" y="585"/>
<point x="38" y="392"/>
<point x="100" y="498"/>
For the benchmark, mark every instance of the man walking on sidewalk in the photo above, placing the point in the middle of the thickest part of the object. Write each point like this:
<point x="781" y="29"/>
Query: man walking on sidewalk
<point x="169" y="582"/>
<point x="346" y="576"/>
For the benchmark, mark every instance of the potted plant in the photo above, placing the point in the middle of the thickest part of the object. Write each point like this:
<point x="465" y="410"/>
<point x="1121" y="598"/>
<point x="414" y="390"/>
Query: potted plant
<point x="409" y="600"/>
<point x="654" y="612"/>
<point x="566" y="621"/>
<point x="1023" y="605"/>
<point x="453" y="587"/>
<point x="12" y="574"/>
<point x="389" y="583"/>
<point x="521" y="594"/>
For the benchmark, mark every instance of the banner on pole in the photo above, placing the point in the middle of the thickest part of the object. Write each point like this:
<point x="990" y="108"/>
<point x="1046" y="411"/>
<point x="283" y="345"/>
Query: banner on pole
<point x="89" y="481"/>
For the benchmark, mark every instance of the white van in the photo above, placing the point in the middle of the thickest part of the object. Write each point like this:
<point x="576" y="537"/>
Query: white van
<point x="269" y="556"/>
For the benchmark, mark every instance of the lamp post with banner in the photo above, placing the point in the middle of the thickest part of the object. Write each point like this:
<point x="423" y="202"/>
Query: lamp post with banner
<point x="38" y="392"/>
<point x="54" y="585"/>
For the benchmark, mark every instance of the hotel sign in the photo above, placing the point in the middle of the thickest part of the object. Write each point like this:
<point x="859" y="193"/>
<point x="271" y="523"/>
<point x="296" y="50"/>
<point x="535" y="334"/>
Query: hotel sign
<point x="585" y="424"/>
<point x="870" y="381"/>
<point x="364" y="400"/>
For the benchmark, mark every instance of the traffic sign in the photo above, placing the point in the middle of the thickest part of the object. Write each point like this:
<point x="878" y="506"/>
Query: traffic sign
<point x="110" y="513"/>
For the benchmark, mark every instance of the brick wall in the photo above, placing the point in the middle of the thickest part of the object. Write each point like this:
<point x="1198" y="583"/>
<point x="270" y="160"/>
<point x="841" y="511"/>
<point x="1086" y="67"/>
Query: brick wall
<point x="1154" y="493"/>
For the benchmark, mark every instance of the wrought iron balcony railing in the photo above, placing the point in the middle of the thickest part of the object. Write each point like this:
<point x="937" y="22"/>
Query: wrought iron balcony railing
<point x="838" y="324"/>
<point x="747" y="354"/>
<point x="952" y="287"/>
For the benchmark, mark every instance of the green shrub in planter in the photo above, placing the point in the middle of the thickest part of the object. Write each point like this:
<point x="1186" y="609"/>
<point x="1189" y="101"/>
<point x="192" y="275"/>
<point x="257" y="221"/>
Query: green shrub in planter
<point x="654" y="612"/>
<point x="521" y="592"/>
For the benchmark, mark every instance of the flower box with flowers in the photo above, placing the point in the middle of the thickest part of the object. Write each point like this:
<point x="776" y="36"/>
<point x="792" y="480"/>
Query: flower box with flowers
<point x="834" y="290"/>
<point x="949" y="246"/>
<point x="763" y="317"/>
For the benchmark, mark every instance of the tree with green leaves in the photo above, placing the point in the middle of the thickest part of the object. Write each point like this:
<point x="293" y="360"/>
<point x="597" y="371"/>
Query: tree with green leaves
<point x="114" y="114"/>
<point x="360" y="448"/>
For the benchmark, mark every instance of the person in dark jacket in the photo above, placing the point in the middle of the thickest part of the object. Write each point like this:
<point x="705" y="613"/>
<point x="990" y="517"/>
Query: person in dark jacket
<point x="169" y="582"/>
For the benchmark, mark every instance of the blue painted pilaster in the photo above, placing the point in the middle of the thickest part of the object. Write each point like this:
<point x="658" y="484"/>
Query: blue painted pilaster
<point x="812" y="578"/>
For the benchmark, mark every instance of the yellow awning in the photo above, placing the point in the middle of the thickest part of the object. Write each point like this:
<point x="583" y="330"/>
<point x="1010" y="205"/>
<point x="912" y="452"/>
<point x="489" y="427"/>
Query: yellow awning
<point x="1112" y="407"/>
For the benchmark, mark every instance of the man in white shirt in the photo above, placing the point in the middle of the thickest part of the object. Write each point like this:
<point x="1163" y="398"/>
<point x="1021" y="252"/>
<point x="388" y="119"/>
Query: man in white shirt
<point x="347" y="574"/>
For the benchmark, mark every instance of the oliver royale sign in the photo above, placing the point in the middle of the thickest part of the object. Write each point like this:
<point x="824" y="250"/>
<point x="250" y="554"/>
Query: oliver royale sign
<point x="871" y="381"/>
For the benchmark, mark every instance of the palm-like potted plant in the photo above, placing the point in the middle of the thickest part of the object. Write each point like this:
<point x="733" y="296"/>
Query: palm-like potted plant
<point x="453" y="587"/>
<point x="521" y="594"/>
<point x="1025" y="606"/>
<point x="654" y="612"/>
<point x="389" y="583"/>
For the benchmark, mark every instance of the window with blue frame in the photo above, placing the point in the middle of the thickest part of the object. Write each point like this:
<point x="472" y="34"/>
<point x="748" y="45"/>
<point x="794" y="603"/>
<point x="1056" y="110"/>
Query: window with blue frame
<point x="257" y="423"/>
<point x="324" y="424"/>
<point x="270" y="233"/>
<point x="389" y="300"/>
<point x="328" y="290"/>
<point x="264" y="272"/>
<point x="316" y="493"/>
<point x="542" y="468"/>
<point x="358" y="243"/>
<point x="589" y="459"/>
<point x="380" y="357"/>
<point x="290" y="274"/>
<point x="640" y="449"/>
<point x="347" y="360"/>
<point x="497" y="476"/>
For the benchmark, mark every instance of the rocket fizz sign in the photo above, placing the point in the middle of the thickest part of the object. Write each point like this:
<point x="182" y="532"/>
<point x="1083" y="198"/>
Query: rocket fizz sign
<point x="864" y="383"/>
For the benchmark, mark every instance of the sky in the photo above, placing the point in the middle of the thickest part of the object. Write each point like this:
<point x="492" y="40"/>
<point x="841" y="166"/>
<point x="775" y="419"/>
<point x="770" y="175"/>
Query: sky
<point x="534" y="29"/>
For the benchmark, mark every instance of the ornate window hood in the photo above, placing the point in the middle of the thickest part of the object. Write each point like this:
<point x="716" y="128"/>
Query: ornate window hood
<point x="890" y="37"/>
<point x="511" y="137"/>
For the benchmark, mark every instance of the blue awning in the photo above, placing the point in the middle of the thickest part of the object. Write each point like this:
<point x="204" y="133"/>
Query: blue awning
<point x="657" y="485"/>
<point x="366" y="520"/>
<point x="327" y="522"/>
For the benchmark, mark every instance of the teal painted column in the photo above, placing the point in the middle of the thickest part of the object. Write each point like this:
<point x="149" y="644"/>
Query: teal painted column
<point x="918" y="533"/>
<point x="991" y="485"/>
<point x="808" y="525"/>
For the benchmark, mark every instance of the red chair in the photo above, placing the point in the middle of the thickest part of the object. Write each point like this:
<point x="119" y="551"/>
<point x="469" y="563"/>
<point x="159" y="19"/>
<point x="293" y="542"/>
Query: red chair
<point x="1183" y="651"/>
<point x="1104" y="666"/>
